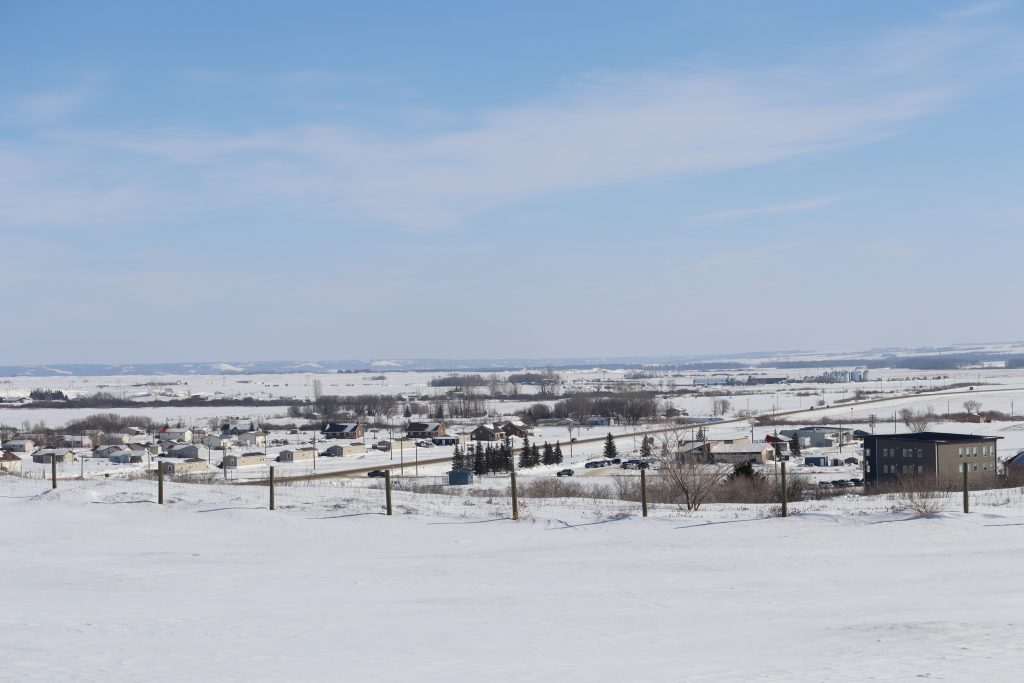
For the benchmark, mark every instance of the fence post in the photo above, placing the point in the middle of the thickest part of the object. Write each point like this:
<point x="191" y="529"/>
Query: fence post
<point x="387" y="489"/>
<point x="53" y="469"/>
<point x="967" y="505"/>
<point x="515" y="496"/>
<point x="271" y="487"/>
<point x="785" y="493"/>
<point x="643" y="491"/>
<point x="160" y="483"/>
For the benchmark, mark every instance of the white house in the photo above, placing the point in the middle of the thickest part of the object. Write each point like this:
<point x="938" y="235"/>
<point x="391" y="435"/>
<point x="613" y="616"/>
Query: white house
<point x="217" y="441"/>
<point x="189" y="466"/>
<point x="111" y="450"/>
<point x="45" y="455"/>
<point x="245" y="460"/>
<point x="77" y="440"/>
<point x="183" y="434"/>
<point x="10" y="463"/>
<point x="304" y="453"/>
<point x="740" y="453"/>
<point x="189" y="450"/>
<point x="26" y="446"/>
<point x="252" y="439"/>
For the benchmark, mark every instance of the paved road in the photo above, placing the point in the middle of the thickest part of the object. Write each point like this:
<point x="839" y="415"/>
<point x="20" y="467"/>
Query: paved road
<point x="825" y="411"/>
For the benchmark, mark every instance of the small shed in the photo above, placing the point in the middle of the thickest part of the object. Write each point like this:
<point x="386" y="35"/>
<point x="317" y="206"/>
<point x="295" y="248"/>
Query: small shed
<point x="295" y="455"/>
<point x="816" y="460"/>
<point x="460" y="477"/>
<point x="10" y="463"/>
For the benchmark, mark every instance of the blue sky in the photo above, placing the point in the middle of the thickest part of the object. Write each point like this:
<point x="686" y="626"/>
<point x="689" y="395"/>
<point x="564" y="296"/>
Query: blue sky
<point x="246" y="180"/>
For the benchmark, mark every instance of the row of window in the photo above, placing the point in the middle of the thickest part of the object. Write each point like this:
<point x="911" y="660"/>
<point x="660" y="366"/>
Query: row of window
<point x="906" y="452"/>
<point x="906" y="469"/>
<point x="972" y="451"/>
<point x="974" y="468"/>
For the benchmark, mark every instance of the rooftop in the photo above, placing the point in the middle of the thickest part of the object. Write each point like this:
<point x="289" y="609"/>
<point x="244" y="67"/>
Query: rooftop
<point x="934" y="436"/>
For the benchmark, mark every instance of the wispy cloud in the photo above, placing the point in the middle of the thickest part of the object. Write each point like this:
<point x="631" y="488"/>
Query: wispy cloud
<point x="602" y="131"/>
<point x="729" y="215"/>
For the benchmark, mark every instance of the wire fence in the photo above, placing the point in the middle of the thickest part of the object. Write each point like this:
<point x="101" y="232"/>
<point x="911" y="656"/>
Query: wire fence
<point x="487" y="498"/>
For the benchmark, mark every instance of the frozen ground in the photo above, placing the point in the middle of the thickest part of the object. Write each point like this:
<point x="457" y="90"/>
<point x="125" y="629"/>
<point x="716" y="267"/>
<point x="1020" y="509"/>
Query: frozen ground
<point x="104" y="585"/>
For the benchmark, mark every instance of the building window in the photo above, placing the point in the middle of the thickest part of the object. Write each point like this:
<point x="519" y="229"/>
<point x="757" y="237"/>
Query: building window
<point x="920" y="469"/>
<point x="920" y="452"/>
<point x="975" y="468"/>
<point x="961" y="449"/>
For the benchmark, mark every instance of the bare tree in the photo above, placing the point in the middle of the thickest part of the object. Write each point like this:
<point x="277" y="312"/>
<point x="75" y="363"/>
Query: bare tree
<point x="906" y="415"/>
<point x="872" y="422"/>
<point x="972" y="406"/>
<point x="318" y="389"/>
<point x="921" y="421"/>
<point x="691" y="480"/>
<point x="720" y="406"/>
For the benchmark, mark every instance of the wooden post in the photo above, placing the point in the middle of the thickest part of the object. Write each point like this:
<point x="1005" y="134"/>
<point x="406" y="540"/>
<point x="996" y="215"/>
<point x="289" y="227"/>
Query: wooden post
<point x="643" y="491"/>
<point x="271" y="487"/>
<point x="160" y="483"/>
<point x="967" y="505"/>
<point x="53" y="469"/>
<point x="515" y="497"/>
<point x="387" y="489"/>
<point x="785" y="493"/>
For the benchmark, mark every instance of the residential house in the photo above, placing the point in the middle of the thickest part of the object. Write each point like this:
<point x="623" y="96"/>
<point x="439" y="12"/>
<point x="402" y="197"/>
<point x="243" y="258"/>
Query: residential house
<point x="189" y="450"/>
<point x="46" y="455"/>
<point x="517" y="428"/>
<point x="76" y="440"/>
<point x="10" y="463"/>
<point x="424" y="430"/>
<point x="188" y="466"/>
<point x="217" y="441"/>
<point x="344" y="430"/>
<point x="487" y="432"/>
<point x="128" y="458"/>
<point x="598" y="421"/>
<point x="933" y="456"/>
<point x="257" y="438"/>
<point x="820" y="437"/>
<point x="297" y="454"/>
<point x="24" y="446"/>
<point x="342" y="451"/>
<point x="740" y="453"/>
<point x="111" y="450"/>
<point x="244" y="460"/>
<point x="183" y="434"/>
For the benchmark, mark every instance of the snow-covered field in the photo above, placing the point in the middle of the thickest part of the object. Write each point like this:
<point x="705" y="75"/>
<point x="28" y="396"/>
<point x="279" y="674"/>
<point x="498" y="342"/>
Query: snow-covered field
<point x="105" y="585"/>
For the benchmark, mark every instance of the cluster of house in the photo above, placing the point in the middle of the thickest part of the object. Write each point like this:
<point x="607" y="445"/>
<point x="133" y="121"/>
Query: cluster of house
<point x="935" y="457"/>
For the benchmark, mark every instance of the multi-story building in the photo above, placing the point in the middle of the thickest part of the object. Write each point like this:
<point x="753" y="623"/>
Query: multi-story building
<point x="931" y="456"/>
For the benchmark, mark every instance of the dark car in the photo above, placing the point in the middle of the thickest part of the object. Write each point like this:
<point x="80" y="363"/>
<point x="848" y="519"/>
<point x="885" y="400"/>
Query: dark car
<point x="592" y="464"/>
<point x="564" y="473"/>
<point x="857" y="482"/>
<point x="630" y="465"/>
<point x="376" y="473"/>
<point x="841" y="483"/>
<point x="615" y="461"/>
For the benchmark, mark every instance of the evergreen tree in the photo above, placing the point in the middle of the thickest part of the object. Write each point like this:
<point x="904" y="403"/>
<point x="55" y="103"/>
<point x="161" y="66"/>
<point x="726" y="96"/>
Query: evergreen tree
<point x="794" y="446"/>
<point x="701" y="437"/>
<point x="610" y="451"/>
<point x="458" y="460"/>
<point x="440" y="411"/>
<point x="507" y="461"/>
<point x="525" y="455"/>
<point x="549" y="455"/>
<point x="645" y="447"/>
<point x="479" y="462"/>
<point x="535" y="455"/>
<point x="558" y="452"/>
<point x="407" y="412"/>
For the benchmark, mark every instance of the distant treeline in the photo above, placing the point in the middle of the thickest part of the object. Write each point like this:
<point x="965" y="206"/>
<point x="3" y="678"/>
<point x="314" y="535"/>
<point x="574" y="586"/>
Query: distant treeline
<point x="108" y="400"/>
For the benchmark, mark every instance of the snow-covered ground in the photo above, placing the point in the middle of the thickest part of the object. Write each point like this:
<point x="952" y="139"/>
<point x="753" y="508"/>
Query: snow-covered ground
<point x="105" y="585"/>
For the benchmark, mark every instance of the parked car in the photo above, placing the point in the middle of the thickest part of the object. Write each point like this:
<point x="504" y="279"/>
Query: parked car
<point x="425" y="444"/>
<point x="857" y="482"/>
<point x="825" y="485"/>
<point x="593" y="464"/>
<point x="615" y="461"/>
<point x="376" y="473"/>
<point x="630" y="465"/>
<point x="382" y="445"/>
<point x="564" y="473"/>
<point x="841" y="483"/>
